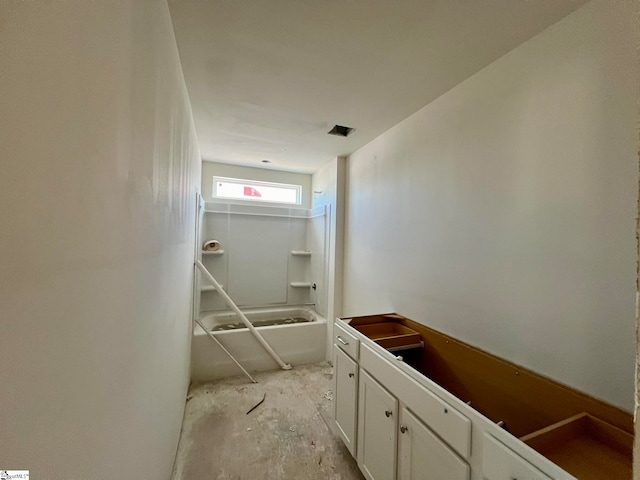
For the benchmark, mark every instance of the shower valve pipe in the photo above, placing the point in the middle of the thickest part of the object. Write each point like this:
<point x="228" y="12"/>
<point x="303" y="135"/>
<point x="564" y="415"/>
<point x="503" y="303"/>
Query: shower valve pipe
<point x="243" y="318"/>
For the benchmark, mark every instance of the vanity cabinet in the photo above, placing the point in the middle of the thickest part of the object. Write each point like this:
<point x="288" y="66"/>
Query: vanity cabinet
<point x="435" y="408"/>
<point x="377" y="427"/>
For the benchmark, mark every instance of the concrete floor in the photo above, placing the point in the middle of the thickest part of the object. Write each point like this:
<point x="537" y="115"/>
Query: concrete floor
<point x="286" y="437"/>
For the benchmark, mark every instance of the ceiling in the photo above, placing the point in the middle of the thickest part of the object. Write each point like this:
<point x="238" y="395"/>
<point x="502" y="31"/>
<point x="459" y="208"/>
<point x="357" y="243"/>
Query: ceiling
<point x="269" y="78"/>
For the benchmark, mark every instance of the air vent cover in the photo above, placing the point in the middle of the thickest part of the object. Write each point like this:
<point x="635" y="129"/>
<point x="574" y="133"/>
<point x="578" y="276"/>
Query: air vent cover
<point x="341" y="131"/>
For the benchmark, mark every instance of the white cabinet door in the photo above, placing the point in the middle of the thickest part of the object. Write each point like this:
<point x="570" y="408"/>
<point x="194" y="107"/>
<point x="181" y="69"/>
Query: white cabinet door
<point x="501" y="463"/>
<point x="377" y="430"/>
<point x="345" y="371"/>
<point x="422" y="456"/>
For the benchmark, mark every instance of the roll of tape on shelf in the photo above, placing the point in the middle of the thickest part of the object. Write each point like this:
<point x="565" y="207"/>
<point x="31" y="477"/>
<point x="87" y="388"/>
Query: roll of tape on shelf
<point x="211" y="246"/>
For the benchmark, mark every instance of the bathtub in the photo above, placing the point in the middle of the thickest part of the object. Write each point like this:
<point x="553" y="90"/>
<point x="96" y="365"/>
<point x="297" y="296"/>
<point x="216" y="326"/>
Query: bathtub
<point x="296" y="343"/>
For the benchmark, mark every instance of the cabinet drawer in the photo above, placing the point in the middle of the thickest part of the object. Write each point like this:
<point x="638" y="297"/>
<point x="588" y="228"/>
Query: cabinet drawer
<point x="499" y="462"/>
<point x="449" y="424"/>
<point x="346" y="341"/>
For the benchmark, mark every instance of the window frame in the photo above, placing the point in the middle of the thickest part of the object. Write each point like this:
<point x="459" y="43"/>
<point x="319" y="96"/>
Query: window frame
<point x="253" y="184"/>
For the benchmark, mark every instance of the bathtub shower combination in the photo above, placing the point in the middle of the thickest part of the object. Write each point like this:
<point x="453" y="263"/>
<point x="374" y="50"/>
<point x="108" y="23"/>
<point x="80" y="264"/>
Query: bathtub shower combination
<point x="270" y="260"/>
<point x="297" y="342"/>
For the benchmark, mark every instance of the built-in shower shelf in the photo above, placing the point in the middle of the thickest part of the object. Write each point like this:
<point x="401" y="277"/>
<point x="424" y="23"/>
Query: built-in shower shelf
<point x="217" y="252"/>
<point x="301" y="253"/>
<point x="209" y="288"/>
<point x="300" y="284"/>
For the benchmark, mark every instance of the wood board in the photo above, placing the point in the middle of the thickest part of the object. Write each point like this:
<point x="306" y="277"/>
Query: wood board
<point x="586" y="447"/>
<point x="389" y="334"/>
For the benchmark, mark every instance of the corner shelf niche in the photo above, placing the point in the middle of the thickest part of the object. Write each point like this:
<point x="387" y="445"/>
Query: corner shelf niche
<point x="306" y="254"/>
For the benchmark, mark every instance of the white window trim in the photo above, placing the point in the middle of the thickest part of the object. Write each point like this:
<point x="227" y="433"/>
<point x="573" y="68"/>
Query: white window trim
<point x="255" y="183"/>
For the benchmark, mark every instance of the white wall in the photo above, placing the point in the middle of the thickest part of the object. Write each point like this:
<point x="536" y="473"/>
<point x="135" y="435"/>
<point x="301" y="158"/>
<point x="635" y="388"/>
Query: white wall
<point x="328" y="189"/>
<point x="503" y="212"/>
<point x="211" y="169"/>
<point x="100" y="165"/>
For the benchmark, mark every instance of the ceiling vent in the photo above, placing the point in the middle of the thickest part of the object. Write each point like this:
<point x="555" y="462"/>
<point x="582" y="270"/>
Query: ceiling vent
<point x="341" y="131"/>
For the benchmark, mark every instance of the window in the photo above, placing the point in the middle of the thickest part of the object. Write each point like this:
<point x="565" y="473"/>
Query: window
<point x="238" y="189"/>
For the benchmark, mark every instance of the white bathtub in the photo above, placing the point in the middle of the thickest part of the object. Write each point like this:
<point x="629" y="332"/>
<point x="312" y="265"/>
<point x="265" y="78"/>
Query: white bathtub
<point x="297" y="343"/>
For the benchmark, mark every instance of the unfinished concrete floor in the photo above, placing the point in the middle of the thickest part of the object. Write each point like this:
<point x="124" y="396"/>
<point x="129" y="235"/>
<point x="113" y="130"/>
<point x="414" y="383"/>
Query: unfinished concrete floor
<point x="286" y="437"/>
